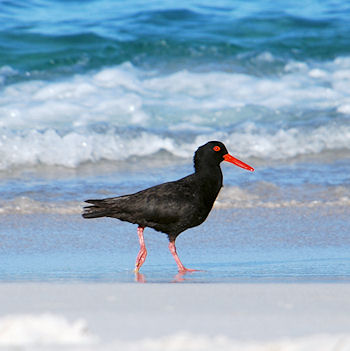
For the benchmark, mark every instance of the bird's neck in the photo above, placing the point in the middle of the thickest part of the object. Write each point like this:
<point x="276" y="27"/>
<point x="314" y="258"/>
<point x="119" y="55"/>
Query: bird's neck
<point x="210" y="180"/>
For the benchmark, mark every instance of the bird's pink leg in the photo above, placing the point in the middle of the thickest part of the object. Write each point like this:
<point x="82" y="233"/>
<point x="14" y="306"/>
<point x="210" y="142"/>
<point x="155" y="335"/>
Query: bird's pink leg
<point x="141" y="257"/>
<point x="180" y="266"/>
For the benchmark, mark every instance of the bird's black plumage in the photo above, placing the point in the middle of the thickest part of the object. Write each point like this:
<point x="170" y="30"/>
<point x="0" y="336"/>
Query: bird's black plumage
<point x="170" y="207"/>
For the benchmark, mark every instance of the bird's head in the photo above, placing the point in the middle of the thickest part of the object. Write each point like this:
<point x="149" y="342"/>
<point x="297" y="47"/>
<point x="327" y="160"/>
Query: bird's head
<point x="214" y="152"/>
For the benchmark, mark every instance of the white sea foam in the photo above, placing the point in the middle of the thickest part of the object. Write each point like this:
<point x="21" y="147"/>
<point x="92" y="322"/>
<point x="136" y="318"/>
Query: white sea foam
<point x="6" y="71"/>
<point x="236" y="197"/>
<point x="48" y="332"/>
<point x="74" y="148"/>
<point x="230" y="197"/>
<point x="188" y="341"/>
<point x="26" y="205"/>
<point x="59" y="122"/>
<point x="20" y="330"/>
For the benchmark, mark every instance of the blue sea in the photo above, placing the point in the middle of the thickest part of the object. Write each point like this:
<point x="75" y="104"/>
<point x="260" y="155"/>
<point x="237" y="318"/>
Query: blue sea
<point x="103" y="98"/>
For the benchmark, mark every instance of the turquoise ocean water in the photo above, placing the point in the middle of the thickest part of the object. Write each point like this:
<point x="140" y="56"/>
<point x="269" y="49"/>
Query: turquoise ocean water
<point x="102" y="98"/>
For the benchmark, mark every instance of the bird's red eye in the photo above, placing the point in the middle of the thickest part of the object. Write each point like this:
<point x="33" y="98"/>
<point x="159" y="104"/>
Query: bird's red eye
<point x="216" y="148"/>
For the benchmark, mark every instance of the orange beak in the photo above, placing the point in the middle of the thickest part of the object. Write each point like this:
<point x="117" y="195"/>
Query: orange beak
<point x="237" y="162"/>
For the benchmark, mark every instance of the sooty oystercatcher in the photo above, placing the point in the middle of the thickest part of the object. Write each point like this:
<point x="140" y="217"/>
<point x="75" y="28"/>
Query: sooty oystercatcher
<point x="171" y="207"/>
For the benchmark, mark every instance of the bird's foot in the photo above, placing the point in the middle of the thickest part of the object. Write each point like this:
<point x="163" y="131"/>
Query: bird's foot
<point x="188" y="270"/>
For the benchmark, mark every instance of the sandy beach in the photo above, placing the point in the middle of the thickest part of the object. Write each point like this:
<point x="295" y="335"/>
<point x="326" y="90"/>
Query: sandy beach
<point x="67" y="283"/>
<point x="175" y="316"/>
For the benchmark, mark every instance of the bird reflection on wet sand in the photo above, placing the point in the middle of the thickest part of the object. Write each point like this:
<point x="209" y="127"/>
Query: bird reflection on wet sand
<point x="178" y="278"/>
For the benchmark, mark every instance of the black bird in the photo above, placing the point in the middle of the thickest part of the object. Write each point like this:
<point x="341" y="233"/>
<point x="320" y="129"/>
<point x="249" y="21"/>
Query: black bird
<point x="171" y="207"/>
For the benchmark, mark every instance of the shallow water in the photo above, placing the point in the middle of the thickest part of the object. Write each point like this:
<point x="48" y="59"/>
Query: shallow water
<point x="239" y="245"/>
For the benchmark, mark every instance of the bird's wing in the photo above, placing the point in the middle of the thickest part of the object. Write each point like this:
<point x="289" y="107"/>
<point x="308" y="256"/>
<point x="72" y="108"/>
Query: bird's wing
<point x="163" y="204"/>
<point x="168" y="202"/>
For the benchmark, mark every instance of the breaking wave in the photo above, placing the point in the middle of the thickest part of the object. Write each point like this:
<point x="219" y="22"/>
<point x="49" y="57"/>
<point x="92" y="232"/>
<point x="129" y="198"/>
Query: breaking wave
<point x="119" y="112"/>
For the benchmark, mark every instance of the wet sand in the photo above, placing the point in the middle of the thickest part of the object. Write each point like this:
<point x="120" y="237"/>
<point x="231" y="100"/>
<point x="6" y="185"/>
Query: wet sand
<point x="253" y="245"/>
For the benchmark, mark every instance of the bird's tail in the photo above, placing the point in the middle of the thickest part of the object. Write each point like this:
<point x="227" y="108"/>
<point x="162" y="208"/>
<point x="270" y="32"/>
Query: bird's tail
<point x="96" y="210"/>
